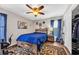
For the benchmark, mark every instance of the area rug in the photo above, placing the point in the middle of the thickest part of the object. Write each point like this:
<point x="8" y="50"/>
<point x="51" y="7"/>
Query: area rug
<point x="47" y="48"/>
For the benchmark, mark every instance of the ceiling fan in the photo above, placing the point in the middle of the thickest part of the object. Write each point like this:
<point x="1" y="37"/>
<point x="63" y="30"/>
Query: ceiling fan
<point x="35" y="10"/>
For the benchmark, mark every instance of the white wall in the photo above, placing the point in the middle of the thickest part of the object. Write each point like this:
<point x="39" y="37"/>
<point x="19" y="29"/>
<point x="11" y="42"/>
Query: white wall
<point x="12" y="25"/>
<point x="47" y="23"/>
<point x="68" y="27"/>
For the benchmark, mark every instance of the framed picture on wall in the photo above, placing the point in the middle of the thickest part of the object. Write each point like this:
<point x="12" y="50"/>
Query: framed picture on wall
<point x="21" y="25"/>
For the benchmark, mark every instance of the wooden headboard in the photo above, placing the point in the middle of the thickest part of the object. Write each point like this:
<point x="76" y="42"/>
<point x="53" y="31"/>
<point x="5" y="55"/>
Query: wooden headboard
<point x="44" y="30"/>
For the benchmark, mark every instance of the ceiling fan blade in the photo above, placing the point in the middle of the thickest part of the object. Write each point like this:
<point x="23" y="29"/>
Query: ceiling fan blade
<point x="41" y="13"/>
<point x="28" y="12"/>
<point x="41" y="7"/>
<point x="28" y="6"/>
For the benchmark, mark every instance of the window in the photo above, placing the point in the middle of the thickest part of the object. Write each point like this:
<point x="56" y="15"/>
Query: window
<point x="56" y="25"/>
<point x="3" y="20"/>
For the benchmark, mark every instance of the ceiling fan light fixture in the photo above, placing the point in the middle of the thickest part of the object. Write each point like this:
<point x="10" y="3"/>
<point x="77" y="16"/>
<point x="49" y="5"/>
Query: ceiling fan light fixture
<point x="35" y="13"/>
<point x="36" y="10"/>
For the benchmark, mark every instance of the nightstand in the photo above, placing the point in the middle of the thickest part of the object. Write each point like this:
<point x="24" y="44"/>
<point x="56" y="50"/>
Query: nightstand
<point x="50" y="38"/>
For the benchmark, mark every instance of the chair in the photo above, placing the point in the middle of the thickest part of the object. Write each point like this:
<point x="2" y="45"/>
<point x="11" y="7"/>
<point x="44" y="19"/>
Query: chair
<point x="5" y="45"/>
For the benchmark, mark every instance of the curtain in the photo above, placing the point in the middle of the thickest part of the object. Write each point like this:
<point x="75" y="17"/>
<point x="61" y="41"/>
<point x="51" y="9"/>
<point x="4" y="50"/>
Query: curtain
<point x="52" y="25"/>
<point x="59" y="28"/>
<point x="3" y="18"/>
<point x="59" y="38"/>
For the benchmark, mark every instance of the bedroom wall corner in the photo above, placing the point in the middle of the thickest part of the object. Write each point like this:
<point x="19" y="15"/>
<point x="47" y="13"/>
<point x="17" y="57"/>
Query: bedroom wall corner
<point x="12" y="25"/>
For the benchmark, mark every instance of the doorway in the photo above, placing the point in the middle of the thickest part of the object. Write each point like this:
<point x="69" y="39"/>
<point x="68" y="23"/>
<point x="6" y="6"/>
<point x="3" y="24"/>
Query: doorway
<point x="75" y="31"/>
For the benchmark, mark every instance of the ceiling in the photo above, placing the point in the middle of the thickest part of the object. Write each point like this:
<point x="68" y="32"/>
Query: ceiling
<point x="50" y="10"/>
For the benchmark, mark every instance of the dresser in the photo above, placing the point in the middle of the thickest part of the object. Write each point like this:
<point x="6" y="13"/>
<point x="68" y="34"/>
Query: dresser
<point x="50" y="38"/>
<point x="45" y="30"/>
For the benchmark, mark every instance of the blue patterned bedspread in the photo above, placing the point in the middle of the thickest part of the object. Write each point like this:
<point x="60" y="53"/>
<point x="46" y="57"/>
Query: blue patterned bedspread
<point x="33" y="38"/>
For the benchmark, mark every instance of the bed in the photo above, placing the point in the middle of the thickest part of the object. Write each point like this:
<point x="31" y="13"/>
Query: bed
<point x="36" y="38"/>
<point x="33" y="38"/>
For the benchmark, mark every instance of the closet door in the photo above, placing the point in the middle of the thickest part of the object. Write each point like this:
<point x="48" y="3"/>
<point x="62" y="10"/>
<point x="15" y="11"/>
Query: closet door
<point x="3" y="20"/>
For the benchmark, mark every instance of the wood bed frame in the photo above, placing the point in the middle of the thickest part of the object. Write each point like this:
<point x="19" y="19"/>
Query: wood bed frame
<point x="44" y="30"/>
<point x="26" y="44"/>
